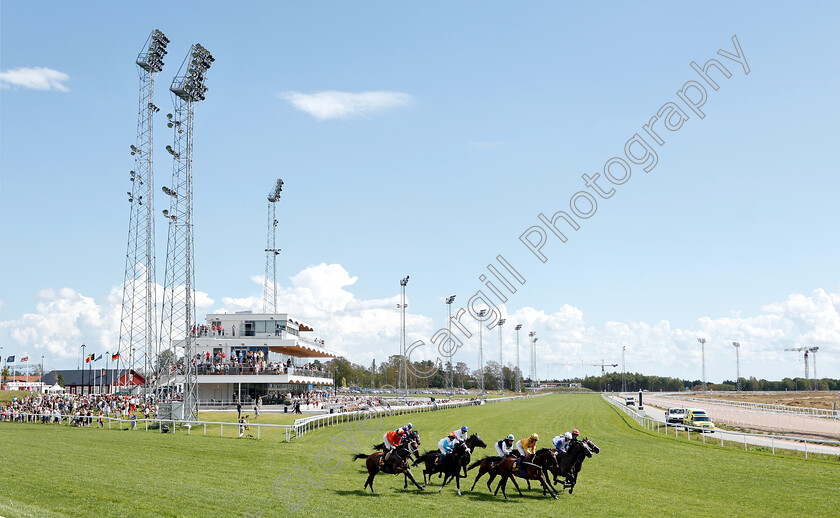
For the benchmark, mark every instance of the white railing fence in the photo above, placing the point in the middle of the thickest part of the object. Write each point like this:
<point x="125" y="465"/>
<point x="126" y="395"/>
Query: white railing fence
<point x="789" y="443"/>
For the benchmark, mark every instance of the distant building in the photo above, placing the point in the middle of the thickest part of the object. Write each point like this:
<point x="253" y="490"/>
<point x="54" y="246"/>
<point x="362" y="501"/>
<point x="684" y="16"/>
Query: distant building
<point x="29" y="383"/>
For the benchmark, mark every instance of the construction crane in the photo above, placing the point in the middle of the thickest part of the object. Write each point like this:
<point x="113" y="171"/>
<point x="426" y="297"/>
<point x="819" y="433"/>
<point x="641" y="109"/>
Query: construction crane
<point x="807" y="351"/>
<point x="584" y="364"/>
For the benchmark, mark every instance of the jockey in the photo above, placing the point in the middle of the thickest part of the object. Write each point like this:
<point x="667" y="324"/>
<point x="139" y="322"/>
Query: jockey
<point x="446" y="444"/>
<point x="461" y="434"/>
<point x="562" y="442"/>
<point x="391" y="441"/>
<point x="528" y="445"/>
<point x="505" y="446"/>
<point x="407" y="428"/>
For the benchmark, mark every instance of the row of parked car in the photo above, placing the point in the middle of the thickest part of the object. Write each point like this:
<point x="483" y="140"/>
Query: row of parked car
<point x="694" y="417"/>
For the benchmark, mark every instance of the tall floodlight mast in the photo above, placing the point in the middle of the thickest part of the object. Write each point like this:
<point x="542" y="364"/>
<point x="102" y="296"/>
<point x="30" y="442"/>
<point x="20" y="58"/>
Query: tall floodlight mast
<point x="449" y="300"/>
<point x="138" y="323"/>
<point x="535" y="383"/>
<point x="271" y="251"/>
<point x="703" y="359"/>
<point x="177" y="335"/>
<point x="481" y="353"/>
<point x="737" y="346"/>
<point x="501" y="359"/>
<point x="518" y="370"/>
<point x="402" y="383"/>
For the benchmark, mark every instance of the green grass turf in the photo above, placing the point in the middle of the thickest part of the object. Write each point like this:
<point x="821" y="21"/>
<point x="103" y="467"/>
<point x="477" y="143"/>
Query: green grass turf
<point x="62" y="471"/>
<point x="6" y="396"/>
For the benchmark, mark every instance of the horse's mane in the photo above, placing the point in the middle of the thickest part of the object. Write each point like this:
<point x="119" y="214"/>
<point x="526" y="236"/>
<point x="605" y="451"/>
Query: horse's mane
<point x="542" y="450"/>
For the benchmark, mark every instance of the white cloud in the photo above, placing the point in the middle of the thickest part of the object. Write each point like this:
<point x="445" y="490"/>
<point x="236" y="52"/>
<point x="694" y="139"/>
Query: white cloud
<point x="363" y="329"/>
<point x="35" y="78"/>
<point x="332" y="104"/>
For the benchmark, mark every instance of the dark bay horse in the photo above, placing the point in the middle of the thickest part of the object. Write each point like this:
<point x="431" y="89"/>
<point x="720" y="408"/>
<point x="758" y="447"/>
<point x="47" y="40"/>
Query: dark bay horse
<point x="531" y="467"/>
<point x="414" y="436"/>
<point x="451" y="466"/>
<point x="486" y="465"/>
<point x="397" y="463"/>
<point x="432" y="458"/>
<point x="569" y="463"/>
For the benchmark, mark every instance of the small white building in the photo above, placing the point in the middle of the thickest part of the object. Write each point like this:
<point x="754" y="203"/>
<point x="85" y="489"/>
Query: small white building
<point x="258" y="354"/>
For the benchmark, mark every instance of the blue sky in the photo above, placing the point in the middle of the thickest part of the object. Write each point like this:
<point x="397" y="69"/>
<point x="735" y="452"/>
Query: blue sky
<point x="483" y="115"/>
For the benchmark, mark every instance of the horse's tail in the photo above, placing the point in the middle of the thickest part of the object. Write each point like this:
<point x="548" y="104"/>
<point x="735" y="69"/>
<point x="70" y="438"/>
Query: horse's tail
<point x="421" y="458"/>
<point x="476" y="463"/>
<point x="360" y="456"/>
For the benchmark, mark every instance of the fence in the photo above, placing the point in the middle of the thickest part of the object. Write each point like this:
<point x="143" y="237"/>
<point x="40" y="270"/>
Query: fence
<point x="308" y="424"/>
<point x="301" y="427"/>
<point x="767" y="407"/>
<point x="757" y="440"/>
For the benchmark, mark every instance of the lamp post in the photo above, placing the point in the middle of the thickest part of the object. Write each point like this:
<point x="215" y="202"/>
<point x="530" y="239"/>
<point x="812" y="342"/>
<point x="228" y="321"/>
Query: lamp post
<point x="481" y="354"/>
<point x="449" y="300"/>
<point x="535" y="384"/>
<point x="737" y="346"/>
<point x="501" y="360"/>
<point x="403" y="360"/>
<point x="41" y="379"/>
<point x="518" y="370"/>
<point x="623" y="370"/>
<point x="703" y="359"/>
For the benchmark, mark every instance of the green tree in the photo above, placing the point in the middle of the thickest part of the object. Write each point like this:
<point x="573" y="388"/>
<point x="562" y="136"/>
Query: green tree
<point x="60" y="379"/>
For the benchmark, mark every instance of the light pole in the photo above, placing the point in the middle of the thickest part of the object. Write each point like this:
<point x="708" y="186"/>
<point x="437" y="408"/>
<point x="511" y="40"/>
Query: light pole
<point x="481" y="354"/>
<point x="501" y="360"/>
<point x="41" y="379"/>
<point x="737" y="366"/>
<point x="703" y="358"/>
<point x="403" y="361"/>
<point x="623" y="370"/>
<point x="535" y="384"/>
<point x="449" y="300"/>
<point x="518" y="370"/>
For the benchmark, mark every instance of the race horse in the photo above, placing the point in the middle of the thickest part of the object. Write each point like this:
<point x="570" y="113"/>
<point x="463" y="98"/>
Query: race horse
<point x="486" y="465"/>
<point x="433" y="463"/>
<point x="397" y="463"/>
<point x="450" y="465"/>
<point x="532" y="467"/>
<point x="414" y="436"/>
<point x="569" y="463"/>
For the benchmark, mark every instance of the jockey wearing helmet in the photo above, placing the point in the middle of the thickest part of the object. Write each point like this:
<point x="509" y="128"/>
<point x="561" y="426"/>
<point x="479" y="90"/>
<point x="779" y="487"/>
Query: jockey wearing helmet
<point x="528" y="445"/>
<point x="562" y="442"/>
<point x="407" y="428"/>
<point x="392" y="439"/>
<point x="461" y="434"/>
<point x="446" y="444"/>
<point x="505" y="446"/>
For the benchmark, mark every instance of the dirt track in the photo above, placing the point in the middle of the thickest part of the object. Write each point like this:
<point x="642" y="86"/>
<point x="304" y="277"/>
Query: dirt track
<point x="826" y="400"/>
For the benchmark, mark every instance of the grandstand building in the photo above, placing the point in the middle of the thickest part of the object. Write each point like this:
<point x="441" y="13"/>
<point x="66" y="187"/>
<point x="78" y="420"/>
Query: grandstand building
<point x="258" y="354"/>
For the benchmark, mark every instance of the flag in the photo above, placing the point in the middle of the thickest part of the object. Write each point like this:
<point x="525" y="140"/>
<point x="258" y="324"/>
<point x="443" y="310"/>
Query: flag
<point x="25" y="359"/>
<point x="89" y="359"/>
<point x="115" y="356"/>
<point x="98" y="358"/>
<point x="10" y="359"/>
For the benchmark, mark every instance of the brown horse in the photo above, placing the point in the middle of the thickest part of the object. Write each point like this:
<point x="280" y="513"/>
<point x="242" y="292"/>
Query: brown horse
<point x="397" y="463"/>
<point x="486" y="465"/>
<point x="569" y="464"/>
<point x="530" y="468"/>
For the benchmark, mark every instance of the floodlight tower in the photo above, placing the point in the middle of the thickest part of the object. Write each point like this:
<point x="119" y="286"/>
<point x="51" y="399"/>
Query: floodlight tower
<point x="805" y="357"/>
<point x="703" y="359"/>
<point x="501" y="359"/>
<point x="449" y="300"/>
<point x="737" y="346"/>
<point x="813" y="351"/>
<point x="481" y="353"/>
<point x="271" y="251"/>
<point x="177" y="336"/>
<point x="518" y="371"/>
<point x="403" y="379"/>
<point x="138" y="321"/>
<point x="535" y="384"/>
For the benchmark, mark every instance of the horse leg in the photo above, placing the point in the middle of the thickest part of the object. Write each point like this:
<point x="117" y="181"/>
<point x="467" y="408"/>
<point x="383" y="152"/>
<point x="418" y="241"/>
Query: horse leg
<point x="405" y="481"/>
<point x="499" y="485"/>
<point x="445" y="480"/>
<point x="370" y="482"/>
<point x="516" y="484"/>
<point x="411" y="477"/>
<point x="480" y="472"/>
<point x="492" y="476"/>
<point x="458" y="483"/>
<point x="546" y="486"/>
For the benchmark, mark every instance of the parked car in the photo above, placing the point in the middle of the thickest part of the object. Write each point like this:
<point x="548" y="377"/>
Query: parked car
<point x="675" y="415"/>
<point x="697" y="417"/>
<point x="630" y="401"/>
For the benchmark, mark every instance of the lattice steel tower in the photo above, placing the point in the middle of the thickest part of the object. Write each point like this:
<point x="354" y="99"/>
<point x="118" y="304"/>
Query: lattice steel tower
<point x="138" y="322"/>
<point x="535" y="383"/>
<point x="271" y="251"/>
<point x="176" y="351"/>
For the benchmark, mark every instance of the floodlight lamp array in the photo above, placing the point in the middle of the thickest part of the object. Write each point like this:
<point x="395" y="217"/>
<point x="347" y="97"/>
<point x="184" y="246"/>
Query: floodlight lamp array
<point x="274" y="194"/>
<point x="151" y="59"/>
<point x="191" y="86"/>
